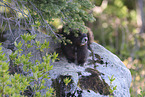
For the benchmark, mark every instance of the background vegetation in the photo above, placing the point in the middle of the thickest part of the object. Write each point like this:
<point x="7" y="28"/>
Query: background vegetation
<point x="119" y="26"/>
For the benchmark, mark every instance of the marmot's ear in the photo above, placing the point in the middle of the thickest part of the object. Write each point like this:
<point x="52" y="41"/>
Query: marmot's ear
<point x="90" y="35"/>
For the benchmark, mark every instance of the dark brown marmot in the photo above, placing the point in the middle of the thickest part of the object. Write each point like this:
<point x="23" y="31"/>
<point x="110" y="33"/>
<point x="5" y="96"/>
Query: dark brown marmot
<point x="77" y="50"/>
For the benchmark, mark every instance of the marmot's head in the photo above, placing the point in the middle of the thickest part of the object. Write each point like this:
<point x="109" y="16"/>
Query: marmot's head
<point x="78" y="38"/>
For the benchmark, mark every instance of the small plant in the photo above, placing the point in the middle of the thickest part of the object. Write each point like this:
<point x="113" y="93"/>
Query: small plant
<point x="34" y="73"/>
<point x="66" y="81"/>
<point x="27" y="38"/>
<point x="112" y="88"/>
<point x="10" y="85"/>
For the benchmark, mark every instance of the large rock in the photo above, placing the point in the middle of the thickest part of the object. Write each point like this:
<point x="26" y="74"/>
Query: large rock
<point x="90" y="80"/>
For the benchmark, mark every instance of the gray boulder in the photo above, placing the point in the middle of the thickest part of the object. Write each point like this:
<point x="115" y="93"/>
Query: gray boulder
<point x="90" y="80"/>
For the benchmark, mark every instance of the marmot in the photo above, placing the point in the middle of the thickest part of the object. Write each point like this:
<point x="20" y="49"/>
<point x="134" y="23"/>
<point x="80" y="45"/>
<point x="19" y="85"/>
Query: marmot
<point x="77" y="50"/>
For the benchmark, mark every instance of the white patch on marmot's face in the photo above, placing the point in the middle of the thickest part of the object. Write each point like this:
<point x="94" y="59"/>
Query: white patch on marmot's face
<point x="84" y="41"/>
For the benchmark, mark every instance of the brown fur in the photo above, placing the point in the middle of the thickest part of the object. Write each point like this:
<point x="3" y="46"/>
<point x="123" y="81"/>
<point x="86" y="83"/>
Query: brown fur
<point x="75" y="51"/>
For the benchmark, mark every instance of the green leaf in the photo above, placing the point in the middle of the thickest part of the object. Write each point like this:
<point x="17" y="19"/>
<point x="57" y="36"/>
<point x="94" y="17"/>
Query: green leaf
<point x="19" y="45"/>
<point x="29" y="55"/>
<point x="42" y="87"/>
<point x="38" y="94"/>
<point x="66" y="81"/>
<point x="13" y="55"/>
<point x="114" y="88"/>
<point x="54" y="56"/>
<point x="39" y="74"/>
<point x="29" y="46"/>
<point x="15" y="43"/>
<point x="35" y="76"/>
<point x="4" y="67"/>
<point x="17" y="76"/>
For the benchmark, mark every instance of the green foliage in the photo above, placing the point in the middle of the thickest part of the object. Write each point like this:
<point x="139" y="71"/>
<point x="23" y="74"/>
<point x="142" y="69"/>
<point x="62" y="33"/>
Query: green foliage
<point x="66" y="81"/>
<point x="117" y="8"/>
<point x="27" y="37"/>
<point x="14" y="84"/>
<point x="43" y="13"/>
<point x="117" y="29"/>
<point x="41" y="46"/>
<point x="114" y="26"/>
<point x="67" y="10"/>
<point x="71" y="12"/>
<point x="112" y="88"/>
<point x="10" y="85"/>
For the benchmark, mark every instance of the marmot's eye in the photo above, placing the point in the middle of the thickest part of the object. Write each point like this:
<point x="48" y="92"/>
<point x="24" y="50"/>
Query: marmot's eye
<point x="84" y="41"/>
